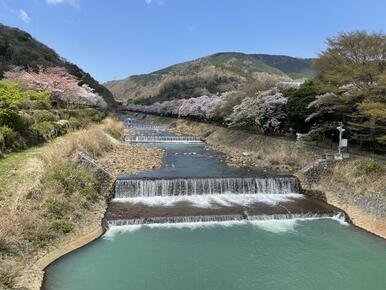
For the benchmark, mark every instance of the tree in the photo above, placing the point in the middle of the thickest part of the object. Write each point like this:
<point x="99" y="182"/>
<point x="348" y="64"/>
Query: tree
<point x="264" y="112"/>
<point x="64" y="88"/>
<point x="355" y="57"/>
<point x="367" y="123"/>
<point x="12" y="98"/>
<point x="298" y="102"/>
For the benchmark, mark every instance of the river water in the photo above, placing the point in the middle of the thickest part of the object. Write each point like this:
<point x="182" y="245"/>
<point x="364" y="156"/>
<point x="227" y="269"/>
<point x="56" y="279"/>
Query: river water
<point x="190" y="239"/>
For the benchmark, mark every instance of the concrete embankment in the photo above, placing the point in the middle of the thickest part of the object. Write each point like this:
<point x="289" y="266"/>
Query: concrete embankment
<point x="361" y="197"/>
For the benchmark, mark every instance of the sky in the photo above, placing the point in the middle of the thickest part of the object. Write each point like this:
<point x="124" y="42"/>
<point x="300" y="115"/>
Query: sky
<point x="117" y="38"/>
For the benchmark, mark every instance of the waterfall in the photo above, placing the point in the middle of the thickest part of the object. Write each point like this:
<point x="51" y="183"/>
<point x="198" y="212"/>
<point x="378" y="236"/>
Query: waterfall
<point x="162" y="139"/>
<point x="290" y="216"/>
<point x="197" y="186"/>
<point x="175" y="219"/>
<point x="224" y="218"/>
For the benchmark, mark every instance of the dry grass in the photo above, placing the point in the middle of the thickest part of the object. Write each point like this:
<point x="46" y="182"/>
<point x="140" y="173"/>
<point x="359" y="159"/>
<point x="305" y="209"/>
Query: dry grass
<point x="357" y="177"/>
<point x="46" y="199"/>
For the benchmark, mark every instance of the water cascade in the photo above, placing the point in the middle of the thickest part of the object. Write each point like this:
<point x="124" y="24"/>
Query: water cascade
<point x="290" y="216"/>
<point x="175" y="220"/>
<point x="162" y="139"/>
<point x="148" y="127"/>
<point x="198" y="186"/>
<point x="224" y="218"/>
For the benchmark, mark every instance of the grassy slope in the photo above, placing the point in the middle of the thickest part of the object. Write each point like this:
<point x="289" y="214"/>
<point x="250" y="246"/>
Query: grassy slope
<point x="12" y="161"/>
<point x="47" y="201"/>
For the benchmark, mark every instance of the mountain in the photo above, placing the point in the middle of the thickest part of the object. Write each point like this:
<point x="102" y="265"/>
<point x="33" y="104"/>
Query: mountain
<point x="19" y="48"/>
<point x="209" y="75"/>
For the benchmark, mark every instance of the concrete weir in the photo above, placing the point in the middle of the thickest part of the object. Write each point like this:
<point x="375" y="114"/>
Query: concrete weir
<point x="304" y="207"/>
<point x="162" y="139"/>
<point x="206" y="199"/>
<point x="205" y="186"/>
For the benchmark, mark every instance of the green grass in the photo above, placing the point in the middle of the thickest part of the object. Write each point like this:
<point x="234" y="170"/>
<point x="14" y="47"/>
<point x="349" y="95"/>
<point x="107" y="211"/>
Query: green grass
<point x="368" y="167"/>
<point x="13" y="161"/>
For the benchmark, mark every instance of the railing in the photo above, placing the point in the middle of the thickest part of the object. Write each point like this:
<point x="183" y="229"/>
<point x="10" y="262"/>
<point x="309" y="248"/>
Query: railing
<point x="85" y="159"/>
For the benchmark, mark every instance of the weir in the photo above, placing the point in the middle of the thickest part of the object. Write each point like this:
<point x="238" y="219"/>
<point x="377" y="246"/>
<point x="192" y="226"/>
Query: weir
<point x="174" y="220"/>
<point x="199" y="186"/>
<point x="223" y="218"/>
<point x="290" y="216"/>
<point x="148" y="127"/>
<point x="162" y="139"/>
<point x="163" y="200"/>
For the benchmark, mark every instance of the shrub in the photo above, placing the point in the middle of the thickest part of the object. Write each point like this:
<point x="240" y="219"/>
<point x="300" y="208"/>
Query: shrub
<point x="67" y="179"/>
<point x="368" y="167"/>
<point x="62" y="226"/>
<point x="74" y="123"/>
<point x="9" y="138"/>
<point x="57" y="208"/>
<point x="44" y="130"/>
<point x="23" y="122"/>
<point x="43" y="116"/>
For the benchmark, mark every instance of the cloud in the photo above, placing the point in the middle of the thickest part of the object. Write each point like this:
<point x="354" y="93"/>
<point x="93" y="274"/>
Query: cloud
<point x="73" y="3"/>
<point x="24" y="16"/>
<point x="157" y="2"/>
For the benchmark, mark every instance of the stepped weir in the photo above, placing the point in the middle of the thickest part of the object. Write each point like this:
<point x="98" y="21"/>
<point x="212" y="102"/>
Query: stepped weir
<point x="175" y="200"/>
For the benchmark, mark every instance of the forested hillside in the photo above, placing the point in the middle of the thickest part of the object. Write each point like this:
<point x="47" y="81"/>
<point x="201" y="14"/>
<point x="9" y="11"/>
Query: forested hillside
<point x="212" y="74"/>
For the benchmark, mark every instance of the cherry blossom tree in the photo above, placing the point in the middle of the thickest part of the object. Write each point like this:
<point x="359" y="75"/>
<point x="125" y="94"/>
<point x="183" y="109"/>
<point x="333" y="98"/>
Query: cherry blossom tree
<point x="63" y="87"/>
<point x="201" y="107"/>
<point x="265" y="112"/>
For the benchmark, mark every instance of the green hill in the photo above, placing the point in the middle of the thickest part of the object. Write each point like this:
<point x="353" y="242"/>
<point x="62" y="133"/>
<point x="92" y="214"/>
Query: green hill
<point x="208" y="75"/>
<point x="18" y="48"/>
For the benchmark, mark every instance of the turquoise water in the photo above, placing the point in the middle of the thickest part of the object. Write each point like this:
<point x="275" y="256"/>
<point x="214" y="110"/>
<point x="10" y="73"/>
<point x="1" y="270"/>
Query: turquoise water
<point x="316" y="254"/>
<point x="278" y="254"/>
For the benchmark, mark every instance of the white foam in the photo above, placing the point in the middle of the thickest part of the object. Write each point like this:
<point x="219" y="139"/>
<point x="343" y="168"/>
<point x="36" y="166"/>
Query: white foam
<point x="213" y="200"/>
<point x="114" y="230"/>
<point x="289" y="225"/>
<point x="341" y="219"/>
<point x="274" y="226"/>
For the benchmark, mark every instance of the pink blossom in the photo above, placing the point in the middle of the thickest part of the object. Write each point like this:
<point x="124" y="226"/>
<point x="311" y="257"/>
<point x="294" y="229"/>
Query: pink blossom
<point x="63" y="86"/>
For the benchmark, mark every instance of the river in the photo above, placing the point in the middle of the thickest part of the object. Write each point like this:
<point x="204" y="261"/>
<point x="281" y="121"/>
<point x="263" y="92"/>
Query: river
<point x="198" y="224"/>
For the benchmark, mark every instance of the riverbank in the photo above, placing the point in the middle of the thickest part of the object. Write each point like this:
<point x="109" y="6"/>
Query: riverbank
<point x="356" y="186"/>
<point x="60" y="206"/>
